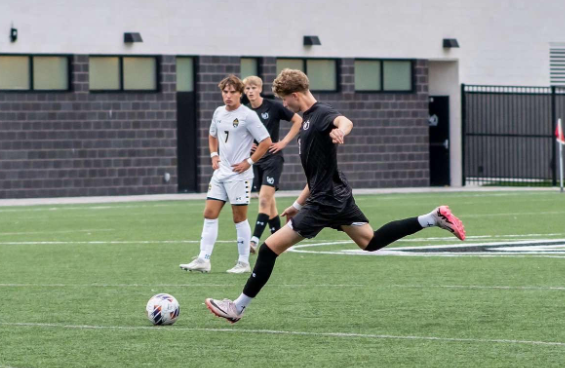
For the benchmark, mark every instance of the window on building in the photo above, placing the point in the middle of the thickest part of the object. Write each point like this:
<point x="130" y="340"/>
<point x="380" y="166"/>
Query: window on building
<point x="290" y="64"/>
<point x="383" y="75"/>
<point x="140" y="73"/>
<point x="14" y="73"/>
<point x="50" y="73"/>
<point x="38" y="73"/>
<point x="104" y="73"/>
<point x="367" y="75"/>
<point x="397" y="75"/>
<point x="185" y="74"/>
<point x="249" y="67"/>
<point x="322" y="73"/>
<point x="117" y="73"/>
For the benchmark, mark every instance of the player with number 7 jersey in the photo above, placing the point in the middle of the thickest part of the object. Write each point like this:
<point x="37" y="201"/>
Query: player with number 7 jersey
<point x="233" y="129"/>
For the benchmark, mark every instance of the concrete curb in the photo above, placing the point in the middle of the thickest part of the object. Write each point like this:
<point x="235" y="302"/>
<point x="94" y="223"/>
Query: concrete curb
<point x="280" y="194"/>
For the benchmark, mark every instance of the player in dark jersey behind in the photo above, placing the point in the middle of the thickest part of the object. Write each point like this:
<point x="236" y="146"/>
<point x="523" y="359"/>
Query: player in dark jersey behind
<point x="269" y="168"/>
<point x="327" y="200"/>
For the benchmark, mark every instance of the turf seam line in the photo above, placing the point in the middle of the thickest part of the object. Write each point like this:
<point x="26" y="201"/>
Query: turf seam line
<point x="384" y="286"/>
<point x="285" y="332"/>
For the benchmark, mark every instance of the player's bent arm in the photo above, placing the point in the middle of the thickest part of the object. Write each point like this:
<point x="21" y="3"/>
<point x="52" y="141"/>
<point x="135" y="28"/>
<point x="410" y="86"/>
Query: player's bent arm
<point x="296" y="124"/>
<point x="343" y="124"/>
<point x="261" y="149"/>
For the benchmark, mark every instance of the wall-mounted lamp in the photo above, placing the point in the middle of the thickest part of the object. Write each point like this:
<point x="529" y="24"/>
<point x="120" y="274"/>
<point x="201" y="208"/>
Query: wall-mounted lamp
<point x="450" y="43"/>
<point x="311" y="40"/>
<point x="13" y="34"/>
<point x="130" y="37"/>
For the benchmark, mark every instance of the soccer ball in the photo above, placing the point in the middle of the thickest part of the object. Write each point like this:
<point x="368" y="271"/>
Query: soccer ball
<point x="163" y="309"/>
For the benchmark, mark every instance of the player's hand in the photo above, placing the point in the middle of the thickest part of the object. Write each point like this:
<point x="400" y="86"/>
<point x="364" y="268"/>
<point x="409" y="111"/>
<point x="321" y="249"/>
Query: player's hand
<point x="289" y="213"/>
<point x="253" y="148"/>
<point x="241" y="167"/>
<point x="337" y="136"/>
<point x="216" y="162"/>
<point x="276" y="147"/>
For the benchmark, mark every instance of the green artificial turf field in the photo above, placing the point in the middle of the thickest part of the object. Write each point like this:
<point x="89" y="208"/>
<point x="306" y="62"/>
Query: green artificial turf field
<point x="74" y="281"/>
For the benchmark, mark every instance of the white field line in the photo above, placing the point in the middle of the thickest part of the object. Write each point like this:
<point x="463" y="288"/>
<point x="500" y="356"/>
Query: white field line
<point x="59" y="232"/>
<point x="420" y="251"/>
<point x="104" y="242"/>
<point x="414" y="254"/>
<point x="92" y="208"/>
<point x="297" y="286"/>
<point x="306" y="243"/>
<point x="286" y="332"/>
<point x="457" y="245"/>
<point x="512" y="214"/>
<point x="447" y="237"/>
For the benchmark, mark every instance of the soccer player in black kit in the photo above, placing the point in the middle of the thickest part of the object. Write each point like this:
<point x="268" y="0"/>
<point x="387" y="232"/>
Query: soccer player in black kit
<point x="267" y="171"/>
<point x="326" y="201"/>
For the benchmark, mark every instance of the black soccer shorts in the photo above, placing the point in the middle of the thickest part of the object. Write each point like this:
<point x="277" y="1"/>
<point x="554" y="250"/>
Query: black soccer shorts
<point x="313" y="217"/>
<point x="268" y="172"/>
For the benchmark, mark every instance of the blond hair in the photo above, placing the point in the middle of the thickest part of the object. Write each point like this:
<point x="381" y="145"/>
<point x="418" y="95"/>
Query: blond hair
<point x="290" y="81"/>
<point x="232" y="80"/>
<point x="253" y="81"/>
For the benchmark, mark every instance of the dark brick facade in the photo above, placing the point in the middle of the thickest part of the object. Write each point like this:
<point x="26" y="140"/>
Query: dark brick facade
<point x="85" y="144"/>
<point x="80" y="143"/>
<point x="389" y="143"/>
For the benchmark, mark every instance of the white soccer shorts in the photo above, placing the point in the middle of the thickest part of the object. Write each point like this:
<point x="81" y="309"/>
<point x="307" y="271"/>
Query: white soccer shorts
<point x="236" y="192"/>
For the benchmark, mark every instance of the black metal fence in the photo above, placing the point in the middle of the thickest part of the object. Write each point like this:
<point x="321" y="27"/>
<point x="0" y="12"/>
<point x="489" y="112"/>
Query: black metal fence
<point x="508" y="134"/>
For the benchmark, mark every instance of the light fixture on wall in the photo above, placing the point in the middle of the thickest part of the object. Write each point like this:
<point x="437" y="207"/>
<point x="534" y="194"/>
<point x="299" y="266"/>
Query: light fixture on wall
<point x="13" y="34"/>
<point x="130" y="37"/>
<point x="311" y="40"/>
<point x="450" y="43"/>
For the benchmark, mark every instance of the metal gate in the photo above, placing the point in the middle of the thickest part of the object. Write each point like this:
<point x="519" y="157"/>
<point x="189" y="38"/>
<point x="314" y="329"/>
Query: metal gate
<point x="508" y="134"/>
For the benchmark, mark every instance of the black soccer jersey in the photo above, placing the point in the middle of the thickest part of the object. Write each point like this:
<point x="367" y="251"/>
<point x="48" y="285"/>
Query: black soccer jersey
<point x="328" y="186"/>
<point x="271" y="113"/>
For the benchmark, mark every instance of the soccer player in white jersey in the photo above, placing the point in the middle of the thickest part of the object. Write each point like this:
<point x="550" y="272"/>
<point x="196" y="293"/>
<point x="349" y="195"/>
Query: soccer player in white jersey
<point x="234" y="127"/>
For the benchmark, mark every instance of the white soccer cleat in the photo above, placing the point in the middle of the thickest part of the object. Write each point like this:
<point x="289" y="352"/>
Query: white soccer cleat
<point x="198" y="264"/>
<point x="224" y="309"/>
<point x="448" y="221"/>
<point x="240" y="267"/>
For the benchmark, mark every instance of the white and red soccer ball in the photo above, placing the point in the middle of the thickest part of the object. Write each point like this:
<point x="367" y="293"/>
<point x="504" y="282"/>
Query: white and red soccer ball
<point x="163" y="309"/>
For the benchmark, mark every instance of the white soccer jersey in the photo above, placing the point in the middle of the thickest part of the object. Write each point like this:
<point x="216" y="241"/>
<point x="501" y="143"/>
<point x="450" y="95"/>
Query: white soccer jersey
<point x="236" y="131"/>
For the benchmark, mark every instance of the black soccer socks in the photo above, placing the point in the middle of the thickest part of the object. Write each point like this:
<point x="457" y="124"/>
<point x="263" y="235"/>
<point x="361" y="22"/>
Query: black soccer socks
<point x="261" y="272"/>
<point x="393" y="231"/>
<point x="260" y="224"/>
<point x="275" y="224"/>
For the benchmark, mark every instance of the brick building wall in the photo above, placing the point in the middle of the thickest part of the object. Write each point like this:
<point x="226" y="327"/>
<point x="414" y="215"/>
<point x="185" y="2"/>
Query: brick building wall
<point x="79" y="143"/>
<point x="387" y="148"/>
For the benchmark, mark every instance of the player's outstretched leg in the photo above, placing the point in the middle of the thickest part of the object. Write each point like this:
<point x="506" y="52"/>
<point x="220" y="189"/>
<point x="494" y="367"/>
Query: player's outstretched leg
<point x="268" y="253"/>
<point x="370" y="241"/>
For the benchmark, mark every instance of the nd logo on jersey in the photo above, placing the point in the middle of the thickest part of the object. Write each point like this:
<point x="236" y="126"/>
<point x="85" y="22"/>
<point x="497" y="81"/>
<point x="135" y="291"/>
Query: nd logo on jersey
<point x="306" y="125"/>
<point x="265" y="115"/>
<point x="235" y="123"/>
